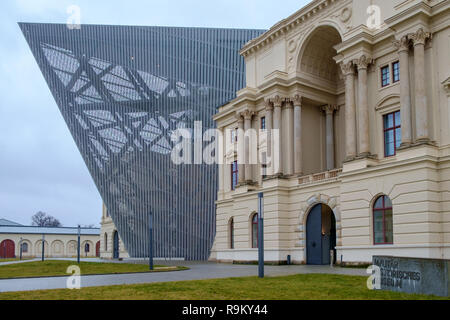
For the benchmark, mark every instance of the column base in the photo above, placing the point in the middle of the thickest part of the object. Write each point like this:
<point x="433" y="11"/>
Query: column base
<point x="405" y="145"/>
<point x="365" y="155"/>
<point x="423" y="141"/>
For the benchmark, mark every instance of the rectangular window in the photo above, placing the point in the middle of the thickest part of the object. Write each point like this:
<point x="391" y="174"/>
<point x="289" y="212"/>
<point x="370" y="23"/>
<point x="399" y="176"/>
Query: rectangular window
<point x="234" y="136"/>
<point x="392" y="133"/>
<point x="263" y="123"/>
<point x="396" y="71"/>
<point x="385" y="76"/>
<point x="234" y="175"/>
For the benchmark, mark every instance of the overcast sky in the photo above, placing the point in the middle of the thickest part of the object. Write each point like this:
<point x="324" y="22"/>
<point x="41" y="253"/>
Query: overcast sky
<point x="40" y="166"/>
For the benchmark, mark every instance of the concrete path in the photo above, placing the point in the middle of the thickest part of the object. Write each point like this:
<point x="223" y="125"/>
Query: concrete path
<point x="197" y="271"/>
<point x="17" y="261"/>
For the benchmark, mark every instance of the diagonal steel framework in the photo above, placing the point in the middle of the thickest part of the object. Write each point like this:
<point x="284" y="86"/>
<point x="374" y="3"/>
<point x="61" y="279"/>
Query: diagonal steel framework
<point x="123" y="91"/>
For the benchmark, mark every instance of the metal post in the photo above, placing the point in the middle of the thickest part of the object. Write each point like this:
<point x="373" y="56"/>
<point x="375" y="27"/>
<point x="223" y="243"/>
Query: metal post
<point x="79" y="244"/>
<point x="261" y="235"/>
<point x="20" y="249"/>
<point x="150" y="257"/>
<point x="43" y="246"/>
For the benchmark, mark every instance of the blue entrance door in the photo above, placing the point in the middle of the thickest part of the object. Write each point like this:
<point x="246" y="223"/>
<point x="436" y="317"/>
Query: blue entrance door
<point x="116" y="246"/>
<point x="314" y="236"/>
<point x="320" y="236"/>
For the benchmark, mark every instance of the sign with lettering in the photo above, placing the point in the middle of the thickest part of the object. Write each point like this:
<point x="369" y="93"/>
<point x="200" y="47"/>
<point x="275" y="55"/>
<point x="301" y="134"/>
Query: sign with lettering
<point x="413" y="275"/>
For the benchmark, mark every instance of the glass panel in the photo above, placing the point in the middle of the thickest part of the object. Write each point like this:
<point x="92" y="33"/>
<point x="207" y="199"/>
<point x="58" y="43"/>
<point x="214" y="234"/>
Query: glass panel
<point x="255" y="234"/>
<point x="389" y="144"/>
<point x="378" y="226"/>
<point x="398" y="119"/>
<point x="388" y="121"/>
<point x="396" y="68"/>
<point x="388" y="226"/>
<point x="398" y="137"/>
<point x="387" y="202"/>
<point x="379" y="203"/>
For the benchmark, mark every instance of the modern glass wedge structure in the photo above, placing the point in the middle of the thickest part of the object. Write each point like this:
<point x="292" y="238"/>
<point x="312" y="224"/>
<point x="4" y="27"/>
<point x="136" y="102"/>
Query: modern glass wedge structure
<point x="123" y="91"/>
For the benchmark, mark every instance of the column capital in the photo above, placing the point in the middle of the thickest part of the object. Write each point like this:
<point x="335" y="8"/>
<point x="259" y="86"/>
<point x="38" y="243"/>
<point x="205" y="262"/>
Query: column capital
<point x="268" y="105"/>
<point x="247" y="114"/>
<point x="347" y="68"/>
<point x="419" y="37"/>
<point x="402" y="44"/>
<point x="330" y="108"/>
<point x="277" y="101"/>
<point x="288" y="103"/>
<point x="297" y="100"/>
<point x="363" y="62"/>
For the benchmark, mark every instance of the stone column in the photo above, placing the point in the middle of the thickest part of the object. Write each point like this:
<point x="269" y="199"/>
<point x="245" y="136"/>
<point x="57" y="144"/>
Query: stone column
<point x="348" y="69"/>
<point x="241" y="150"/>
<point x="419" y="38"/>
<point x="363" y="106"/>
<point x="221" y="159"/>
<point x="405" y="95"/>
<point x="289" y="141"/>
<point x="269" y="142"/>
<point x="329" y="113"/>
<point x="277" y="162"/>
<point x="248" y="115"/>
<point x="298" y="169"/>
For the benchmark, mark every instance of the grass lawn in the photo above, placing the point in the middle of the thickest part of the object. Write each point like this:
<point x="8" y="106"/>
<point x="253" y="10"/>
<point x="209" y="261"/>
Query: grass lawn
<point x="298" y="287"/>
<point x="58" y="268"/>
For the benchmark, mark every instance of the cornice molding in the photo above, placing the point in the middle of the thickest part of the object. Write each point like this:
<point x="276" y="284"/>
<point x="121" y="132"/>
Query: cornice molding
<point x="302" y="16"/>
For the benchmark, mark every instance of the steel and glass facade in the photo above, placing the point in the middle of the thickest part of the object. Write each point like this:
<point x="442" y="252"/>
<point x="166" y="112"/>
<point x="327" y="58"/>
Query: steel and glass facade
<point x="123" y="91"/>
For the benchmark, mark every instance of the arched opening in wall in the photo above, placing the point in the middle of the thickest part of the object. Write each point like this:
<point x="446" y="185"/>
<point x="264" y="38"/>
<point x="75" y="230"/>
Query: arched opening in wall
<point x="115" y="245"/>
<point x="97" y="249"/>
<point x="231" y="230"/>
<point x="320" y="236"/>
<point x="323" y="89"/>
<point x="57" y="248"/>
<point x="7" y="249"/>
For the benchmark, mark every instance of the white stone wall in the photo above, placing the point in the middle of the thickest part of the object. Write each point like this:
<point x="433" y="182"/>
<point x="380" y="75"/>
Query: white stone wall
<point x="56" y="246"/>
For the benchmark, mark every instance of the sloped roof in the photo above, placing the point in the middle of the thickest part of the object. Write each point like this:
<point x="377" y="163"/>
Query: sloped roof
<point x="19" y="229"/>
<point x="4" y="222"/>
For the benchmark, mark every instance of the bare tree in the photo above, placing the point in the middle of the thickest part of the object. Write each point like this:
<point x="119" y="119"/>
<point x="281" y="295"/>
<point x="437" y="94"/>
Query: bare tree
<point x="41" y="219"/>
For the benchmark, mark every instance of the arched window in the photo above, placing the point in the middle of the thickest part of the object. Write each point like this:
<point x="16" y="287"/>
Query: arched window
<point x="383" y="221"/>
<point x="255" y="231"/>
<point x="87" y="247"/>
<point x="232" y="233"/>
<point x="106" y="242"/>
<point x="24" y="247"/>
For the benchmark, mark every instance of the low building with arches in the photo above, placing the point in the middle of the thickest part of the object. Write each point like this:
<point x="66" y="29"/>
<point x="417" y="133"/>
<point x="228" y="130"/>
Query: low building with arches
<point x="344" y="125"/>
<point x="58" y="242"/>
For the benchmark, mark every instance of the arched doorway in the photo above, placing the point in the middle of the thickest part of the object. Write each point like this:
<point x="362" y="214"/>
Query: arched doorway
<point x="7" y="249"/>
<point x="320" y="235"/>
<point x="97" y="249"/>
<point x="116" y="245"/>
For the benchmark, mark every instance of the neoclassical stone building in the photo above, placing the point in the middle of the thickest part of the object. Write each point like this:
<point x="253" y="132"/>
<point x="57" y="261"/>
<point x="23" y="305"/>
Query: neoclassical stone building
<point x="111" y="245"/>
<point x="349" y="102"/>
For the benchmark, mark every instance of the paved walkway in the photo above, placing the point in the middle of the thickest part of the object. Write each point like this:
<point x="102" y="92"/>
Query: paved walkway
<point x="197" y="271"/>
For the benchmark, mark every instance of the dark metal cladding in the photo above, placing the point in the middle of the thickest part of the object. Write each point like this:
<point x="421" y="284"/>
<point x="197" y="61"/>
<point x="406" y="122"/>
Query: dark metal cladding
<point x="122" y="92"/>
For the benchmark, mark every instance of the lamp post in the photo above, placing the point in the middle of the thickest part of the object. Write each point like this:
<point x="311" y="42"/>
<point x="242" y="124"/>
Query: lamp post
<point x="150" y="256"/>
<point x="261" y="235"/>
<point x="78" y="244"/>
